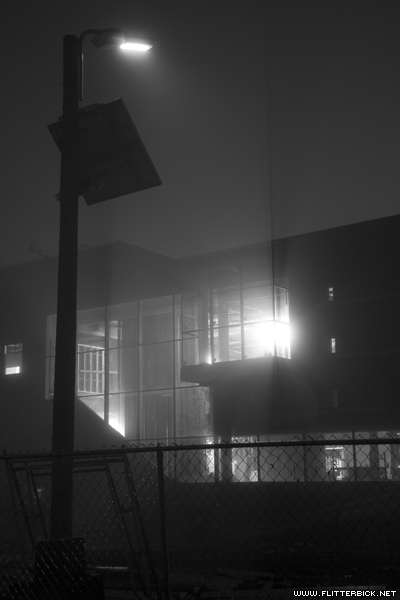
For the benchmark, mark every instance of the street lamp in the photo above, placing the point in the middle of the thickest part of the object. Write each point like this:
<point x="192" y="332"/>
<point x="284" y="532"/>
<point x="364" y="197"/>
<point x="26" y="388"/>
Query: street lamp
<point x="64" y="378"/>
<point x="110" y="39"/>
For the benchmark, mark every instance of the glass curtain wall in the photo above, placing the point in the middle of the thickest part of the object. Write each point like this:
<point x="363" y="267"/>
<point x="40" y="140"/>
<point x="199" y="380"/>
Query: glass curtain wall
<point x="243" y="317"/>
<point x="128" y="371"/>
<point x="331" y="461"/>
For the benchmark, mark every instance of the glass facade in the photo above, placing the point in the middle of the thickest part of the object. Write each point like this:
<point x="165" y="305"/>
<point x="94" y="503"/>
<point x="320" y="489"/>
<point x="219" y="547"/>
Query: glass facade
<point x="130" y="356"/>
<point x="128" y="370"/>
<point x="246" y="323"/>
<point x="333" y="460"/>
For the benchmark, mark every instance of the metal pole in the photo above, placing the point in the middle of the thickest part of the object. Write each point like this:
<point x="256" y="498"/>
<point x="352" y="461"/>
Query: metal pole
<point x="64" y="382"/>
<point x="161" y="490"/>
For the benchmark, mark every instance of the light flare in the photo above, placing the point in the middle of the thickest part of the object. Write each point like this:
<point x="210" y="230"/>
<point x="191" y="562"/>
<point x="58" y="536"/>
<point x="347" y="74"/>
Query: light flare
<point x="136" y="46"/>
<point x="274" y="338"/>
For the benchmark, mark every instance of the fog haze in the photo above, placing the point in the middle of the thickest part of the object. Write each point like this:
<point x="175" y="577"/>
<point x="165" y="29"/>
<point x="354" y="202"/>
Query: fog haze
<point x="263" y="119"/>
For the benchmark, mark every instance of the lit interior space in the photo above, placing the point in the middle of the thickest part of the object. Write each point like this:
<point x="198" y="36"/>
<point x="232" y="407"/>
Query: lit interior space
<point x="128" y="370"/>
<point x="236" y="325"/>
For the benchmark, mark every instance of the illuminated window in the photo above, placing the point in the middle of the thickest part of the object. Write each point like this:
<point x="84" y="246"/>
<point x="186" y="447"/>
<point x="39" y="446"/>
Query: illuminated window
<point x="90" y="369"/>
<point x="156" y="321"/>
<point x="157" y="415"/>
<point x="128" y="369"/>
<point x="327" y="294"/>
<point x="266" y="322"/>
<point x="337" y="462"/>
<point x="195" y="317"/>
<point x="13" y="359"/>
<point x="329" y="345"/>
<point x="244" y="460"/>
<point x="233" y="325"/>
<point x="90" y="382"/>
<point x="192" y="413"/>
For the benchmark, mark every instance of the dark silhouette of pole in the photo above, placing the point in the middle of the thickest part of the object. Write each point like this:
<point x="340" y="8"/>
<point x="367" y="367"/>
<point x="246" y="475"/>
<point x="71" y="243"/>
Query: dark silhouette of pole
<point x="64" y="380"/>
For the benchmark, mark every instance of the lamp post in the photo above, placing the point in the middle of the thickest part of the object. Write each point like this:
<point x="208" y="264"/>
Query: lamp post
<point x="64" y="380"/>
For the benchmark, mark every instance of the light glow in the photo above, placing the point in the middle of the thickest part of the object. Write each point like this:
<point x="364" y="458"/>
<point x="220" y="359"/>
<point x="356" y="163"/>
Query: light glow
<point x="12" y="370"/>
<point x="136" y="46"/>
<point x="274" y="338"/>
<point x="117" y="423"/>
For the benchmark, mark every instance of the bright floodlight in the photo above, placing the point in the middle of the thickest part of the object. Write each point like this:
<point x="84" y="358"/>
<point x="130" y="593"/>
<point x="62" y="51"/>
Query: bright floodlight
<point x="138" y="45"/>
<point x="110" y="39"/>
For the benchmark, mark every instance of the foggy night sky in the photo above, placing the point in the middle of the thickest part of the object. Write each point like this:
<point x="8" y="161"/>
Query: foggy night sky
<point x="261" y="117"/>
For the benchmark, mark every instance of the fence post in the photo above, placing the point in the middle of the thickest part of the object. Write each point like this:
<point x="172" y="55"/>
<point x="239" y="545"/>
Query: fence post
<point x="161" y="490"/>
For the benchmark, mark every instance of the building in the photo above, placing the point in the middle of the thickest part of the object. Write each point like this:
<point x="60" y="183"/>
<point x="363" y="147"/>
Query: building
<point x="294" y="339"/>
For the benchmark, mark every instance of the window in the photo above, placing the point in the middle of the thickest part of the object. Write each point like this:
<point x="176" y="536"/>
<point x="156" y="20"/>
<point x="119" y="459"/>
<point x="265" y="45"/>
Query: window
<point x="329" y="345"/>
<point x="195" y="317"/>
<point x="90" y="369"/>
<point x="13" y="359"/>
<point x="337" y="462"/>
<point x="327" y="294"/>
<point x="156" y="361"/>
<point x="91" y="359"/>
<point x="245" y="324"/>
<point x="157" y="415"/>
<point x="193" y="412"/>
<point x="128" y="368"/>
<point x="156" y="320"/>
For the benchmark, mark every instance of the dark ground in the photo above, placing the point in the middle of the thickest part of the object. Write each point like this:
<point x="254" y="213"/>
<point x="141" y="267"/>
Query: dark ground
<point x="283" y="534"/>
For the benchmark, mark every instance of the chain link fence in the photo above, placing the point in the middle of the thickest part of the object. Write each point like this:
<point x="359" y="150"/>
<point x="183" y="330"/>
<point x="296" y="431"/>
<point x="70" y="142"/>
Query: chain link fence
<point x="205" y="521"/>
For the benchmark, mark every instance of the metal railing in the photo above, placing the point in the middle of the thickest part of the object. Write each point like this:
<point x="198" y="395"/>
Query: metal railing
<point x="230" y="518"/>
